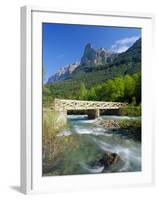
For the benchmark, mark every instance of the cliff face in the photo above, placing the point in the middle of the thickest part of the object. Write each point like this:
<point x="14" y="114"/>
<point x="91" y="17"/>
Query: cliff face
<point x="96" y="56"/>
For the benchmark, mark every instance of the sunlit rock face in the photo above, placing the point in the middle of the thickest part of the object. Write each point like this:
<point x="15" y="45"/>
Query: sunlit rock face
<point x="63" y="72"/>
<point x="96" y="56"/>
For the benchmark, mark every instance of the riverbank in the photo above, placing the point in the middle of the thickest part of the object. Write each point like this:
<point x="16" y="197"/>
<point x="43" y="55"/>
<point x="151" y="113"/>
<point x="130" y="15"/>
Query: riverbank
<point x="130" y="110"/>
<point x="133" y="127"/>
<point x="53" y="147"/>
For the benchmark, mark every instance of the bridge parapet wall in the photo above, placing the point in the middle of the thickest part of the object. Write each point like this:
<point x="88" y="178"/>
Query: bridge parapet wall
<point x="62" y="104"/>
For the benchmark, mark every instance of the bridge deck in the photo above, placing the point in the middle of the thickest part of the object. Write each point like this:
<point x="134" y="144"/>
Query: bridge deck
<point x="63" y="104"/>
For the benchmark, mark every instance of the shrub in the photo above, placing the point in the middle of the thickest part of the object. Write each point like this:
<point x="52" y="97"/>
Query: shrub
<point x="130" y="110"/>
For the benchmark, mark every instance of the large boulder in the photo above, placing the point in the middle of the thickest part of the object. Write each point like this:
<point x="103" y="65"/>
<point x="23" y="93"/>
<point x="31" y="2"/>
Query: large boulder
<point x="111" y="162"/>
<point x="110" y="159"/>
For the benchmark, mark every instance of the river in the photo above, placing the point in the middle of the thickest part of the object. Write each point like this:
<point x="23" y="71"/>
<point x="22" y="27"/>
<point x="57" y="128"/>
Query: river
<point x="92" y="141"/>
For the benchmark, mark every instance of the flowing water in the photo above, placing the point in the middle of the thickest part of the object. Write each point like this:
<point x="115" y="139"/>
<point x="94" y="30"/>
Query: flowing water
<point x="91" y="141"/>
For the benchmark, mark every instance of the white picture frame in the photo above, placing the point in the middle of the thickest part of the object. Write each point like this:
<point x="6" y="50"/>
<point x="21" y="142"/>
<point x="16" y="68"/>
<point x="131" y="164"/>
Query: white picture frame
<point x="31" y="101"/>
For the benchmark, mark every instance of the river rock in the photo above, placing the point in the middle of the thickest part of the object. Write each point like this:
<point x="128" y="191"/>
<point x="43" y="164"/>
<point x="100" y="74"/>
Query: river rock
<point x="110" y="159"/>
<point x="111" y="124"/>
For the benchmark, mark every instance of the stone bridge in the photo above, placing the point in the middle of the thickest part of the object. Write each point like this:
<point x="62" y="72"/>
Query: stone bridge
<point x="93" y="107"/>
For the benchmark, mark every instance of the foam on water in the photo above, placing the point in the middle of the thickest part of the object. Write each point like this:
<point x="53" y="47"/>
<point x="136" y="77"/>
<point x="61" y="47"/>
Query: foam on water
<point x="92" y="131"/>
<point x="95" y="169"/>
<point x="128" y="155"/>
<point x="129" y="151"/>
<point x="120" y="117"/>
<point x="103" y="145"/>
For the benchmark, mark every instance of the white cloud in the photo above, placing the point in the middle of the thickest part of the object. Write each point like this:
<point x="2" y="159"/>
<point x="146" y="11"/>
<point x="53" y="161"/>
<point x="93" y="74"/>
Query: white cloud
<point x="122" y="49"/>
<point x="123" y="44"/>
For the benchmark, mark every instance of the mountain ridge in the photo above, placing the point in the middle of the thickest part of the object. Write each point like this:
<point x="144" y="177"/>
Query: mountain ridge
<point x="91" y="56"/>
<point x="126" y="63"/>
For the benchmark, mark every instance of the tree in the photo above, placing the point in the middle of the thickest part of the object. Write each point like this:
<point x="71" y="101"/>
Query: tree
<point x="113" y="90"/>
<point x="47" y="95"/>
<point x="99" y="92"/>
<point x="109" y="91"/>
<point x="83" y="92"/>
<point x="119" y="89"/>
<point x="129" y="87"/>
<point x="91" y="95"/>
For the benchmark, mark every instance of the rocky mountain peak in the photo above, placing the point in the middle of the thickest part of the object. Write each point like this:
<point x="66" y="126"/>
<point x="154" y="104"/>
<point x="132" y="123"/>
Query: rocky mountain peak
<point x="95" y="56"/>
<point x="89" y="54"/>
<point x="88" y="46"/>
<point x="91" y="57"/>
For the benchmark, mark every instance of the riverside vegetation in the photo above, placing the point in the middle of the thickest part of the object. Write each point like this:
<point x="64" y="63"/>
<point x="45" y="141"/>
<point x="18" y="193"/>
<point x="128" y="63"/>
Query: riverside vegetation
<point x="117" y="79"/>
<point x="53" y="146"/>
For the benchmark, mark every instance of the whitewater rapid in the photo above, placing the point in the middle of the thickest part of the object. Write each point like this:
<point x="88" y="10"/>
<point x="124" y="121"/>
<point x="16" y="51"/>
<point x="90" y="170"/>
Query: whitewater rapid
<point x="95" y="139"/>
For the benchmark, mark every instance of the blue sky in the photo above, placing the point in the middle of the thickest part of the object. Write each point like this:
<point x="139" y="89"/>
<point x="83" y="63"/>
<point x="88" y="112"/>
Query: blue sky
<point x="64" y="43"/>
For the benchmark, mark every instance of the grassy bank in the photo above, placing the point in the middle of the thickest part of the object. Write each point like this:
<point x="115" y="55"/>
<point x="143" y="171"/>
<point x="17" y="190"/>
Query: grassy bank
<point x="53" y="146"/>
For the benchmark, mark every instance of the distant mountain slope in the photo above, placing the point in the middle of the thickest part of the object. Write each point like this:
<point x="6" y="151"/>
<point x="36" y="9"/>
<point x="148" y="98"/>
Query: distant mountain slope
<point x="91" y="74"/>
<point x="133" y="54"/>
<point x="63" y="73"/>
<point x="128" y="62"/>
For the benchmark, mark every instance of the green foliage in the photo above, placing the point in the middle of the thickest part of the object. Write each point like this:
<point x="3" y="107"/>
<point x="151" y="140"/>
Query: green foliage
<point x="83" y="92"/>
<point x="130" y="110"/>
<point x="118" y="89"/>
<point x="114" y="89"/>
<point x="53" y="147"/>
<point x="127" y="88"/>
<point x="47" y="96"/>
<point x="129" y="123"/>
<point x="91" y="94"/>
<point x="51" y="144"/>
<point x="137" y="78"/>
<point x="129" y="84"/>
